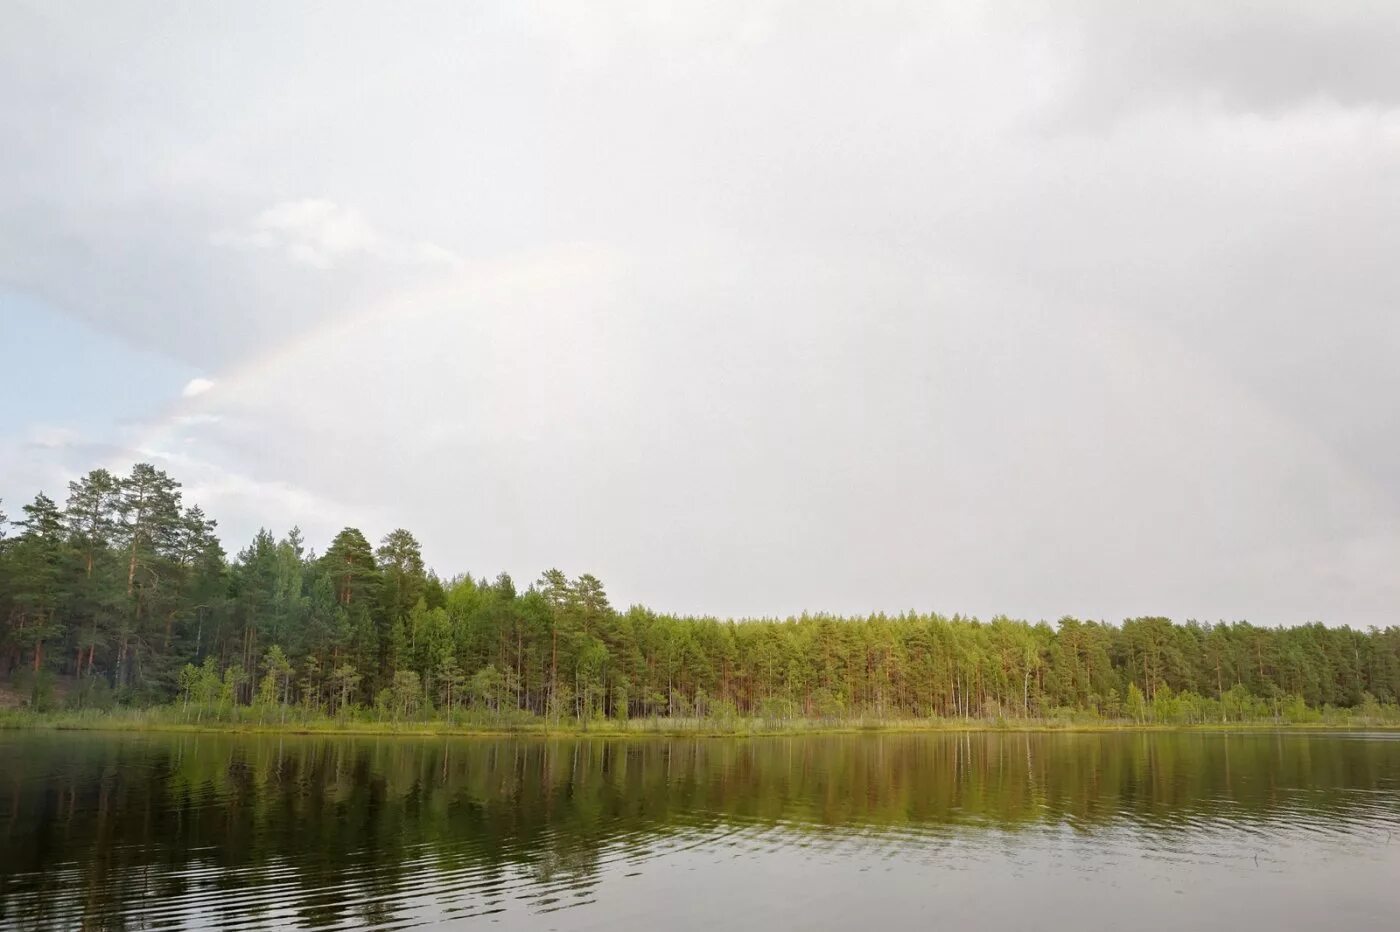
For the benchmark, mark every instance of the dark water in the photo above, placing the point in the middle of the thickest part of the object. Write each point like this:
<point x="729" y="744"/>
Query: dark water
<point x="995" y="831"/>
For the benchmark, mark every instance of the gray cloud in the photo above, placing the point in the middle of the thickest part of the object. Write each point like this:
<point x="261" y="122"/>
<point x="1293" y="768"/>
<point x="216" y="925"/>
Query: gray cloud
<point x="1247" y="57"/>
<point x="1030" y="308"/>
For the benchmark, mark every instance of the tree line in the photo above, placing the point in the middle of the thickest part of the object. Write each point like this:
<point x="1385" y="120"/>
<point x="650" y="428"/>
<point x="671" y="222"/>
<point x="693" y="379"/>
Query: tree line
<point x="124" y="595"/>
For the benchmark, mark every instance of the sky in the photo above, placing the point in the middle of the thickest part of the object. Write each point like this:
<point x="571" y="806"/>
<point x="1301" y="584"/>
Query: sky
<point x="749" y="309"/>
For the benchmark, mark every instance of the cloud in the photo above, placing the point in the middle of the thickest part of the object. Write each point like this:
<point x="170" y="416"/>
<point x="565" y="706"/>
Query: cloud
<point x="751" y="308"/>
<point x="53" y="437"/>
<point x="197" y="386"/>
<point x="231" y="497"/>
<point x="321" y="234"/>
<point x="1263" y="59"/>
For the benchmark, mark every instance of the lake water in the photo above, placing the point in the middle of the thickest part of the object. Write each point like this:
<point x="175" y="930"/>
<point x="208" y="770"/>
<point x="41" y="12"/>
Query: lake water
<point x="944" y="831"/>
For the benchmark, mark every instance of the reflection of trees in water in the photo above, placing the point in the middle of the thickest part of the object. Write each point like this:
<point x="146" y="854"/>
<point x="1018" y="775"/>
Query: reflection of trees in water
<point x="161" y="817"/>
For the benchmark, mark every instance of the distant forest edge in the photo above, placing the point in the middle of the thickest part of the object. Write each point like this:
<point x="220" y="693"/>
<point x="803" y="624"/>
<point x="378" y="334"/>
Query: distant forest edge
<point x="124" y="597"/>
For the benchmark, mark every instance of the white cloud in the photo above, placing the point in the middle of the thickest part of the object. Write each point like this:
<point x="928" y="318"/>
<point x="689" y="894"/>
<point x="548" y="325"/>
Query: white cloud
<point x="195" y="387"/>
<point x="957" y="307"/>
<point x="321" y="234"/>
<point x="53" y="437"/>
<point x="244" y="502"/>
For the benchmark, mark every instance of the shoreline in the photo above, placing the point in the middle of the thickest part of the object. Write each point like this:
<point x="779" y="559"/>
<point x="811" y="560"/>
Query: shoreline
<point x="654" y="728"/>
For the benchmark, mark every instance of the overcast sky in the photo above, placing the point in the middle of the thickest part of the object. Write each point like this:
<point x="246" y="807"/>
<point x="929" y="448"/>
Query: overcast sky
<point x="748" y="308"/>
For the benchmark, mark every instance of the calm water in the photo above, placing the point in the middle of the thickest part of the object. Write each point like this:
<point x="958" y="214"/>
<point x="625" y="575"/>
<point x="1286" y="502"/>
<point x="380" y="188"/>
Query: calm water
<point x="1005" y="831"/>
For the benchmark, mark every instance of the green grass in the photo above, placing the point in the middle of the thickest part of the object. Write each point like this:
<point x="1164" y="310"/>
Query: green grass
<point x="254" y="721"/>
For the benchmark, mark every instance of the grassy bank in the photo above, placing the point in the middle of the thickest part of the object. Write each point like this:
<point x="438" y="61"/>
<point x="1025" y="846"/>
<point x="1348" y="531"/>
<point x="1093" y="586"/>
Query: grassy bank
<point x="250" y="721"/>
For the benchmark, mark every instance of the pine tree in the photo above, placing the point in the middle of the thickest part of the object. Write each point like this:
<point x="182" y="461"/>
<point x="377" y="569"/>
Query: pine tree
<point x="148" y="504"/>
<point x="350" y="563"/>
<point x="38" y="558"/>
<point x="91" y="514"/>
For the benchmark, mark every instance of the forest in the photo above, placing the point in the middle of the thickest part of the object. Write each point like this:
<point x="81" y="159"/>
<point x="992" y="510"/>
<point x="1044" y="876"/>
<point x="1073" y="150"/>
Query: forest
<point x="123" y="596"/>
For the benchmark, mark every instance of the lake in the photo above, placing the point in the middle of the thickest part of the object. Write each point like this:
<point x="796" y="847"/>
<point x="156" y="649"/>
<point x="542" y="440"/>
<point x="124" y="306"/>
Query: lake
<point x="935" y="831"/>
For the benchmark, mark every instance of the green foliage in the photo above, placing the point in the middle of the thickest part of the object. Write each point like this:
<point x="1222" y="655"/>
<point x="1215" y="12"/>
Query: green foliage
<point x="346" y="680"/>
<point x="486" y="687"/>
<point x="449" y="678"/>
<point x="1136" y="704"/>
<point x="36" y="687"/>
<point x="124" y="595"/>
<point x="406" y="694"/>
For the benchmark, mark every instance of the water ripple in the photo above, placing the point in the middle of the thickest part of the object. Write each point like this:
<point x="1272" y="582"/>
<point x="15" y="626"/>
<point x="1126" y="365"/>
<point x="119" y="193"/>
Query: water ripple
<point x="187" y="832"/>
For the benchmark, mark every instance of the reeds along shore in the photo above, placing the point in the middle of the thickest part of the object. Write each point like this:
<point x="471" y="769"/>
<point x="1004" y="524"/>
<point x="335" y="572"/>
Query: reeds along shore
<point x="251" y="720"/>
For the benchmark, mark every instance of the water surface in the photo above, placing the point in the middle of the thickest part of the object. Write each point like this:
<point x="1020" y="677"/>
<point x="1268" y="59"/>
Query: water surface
<point x="944" y="831"/>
